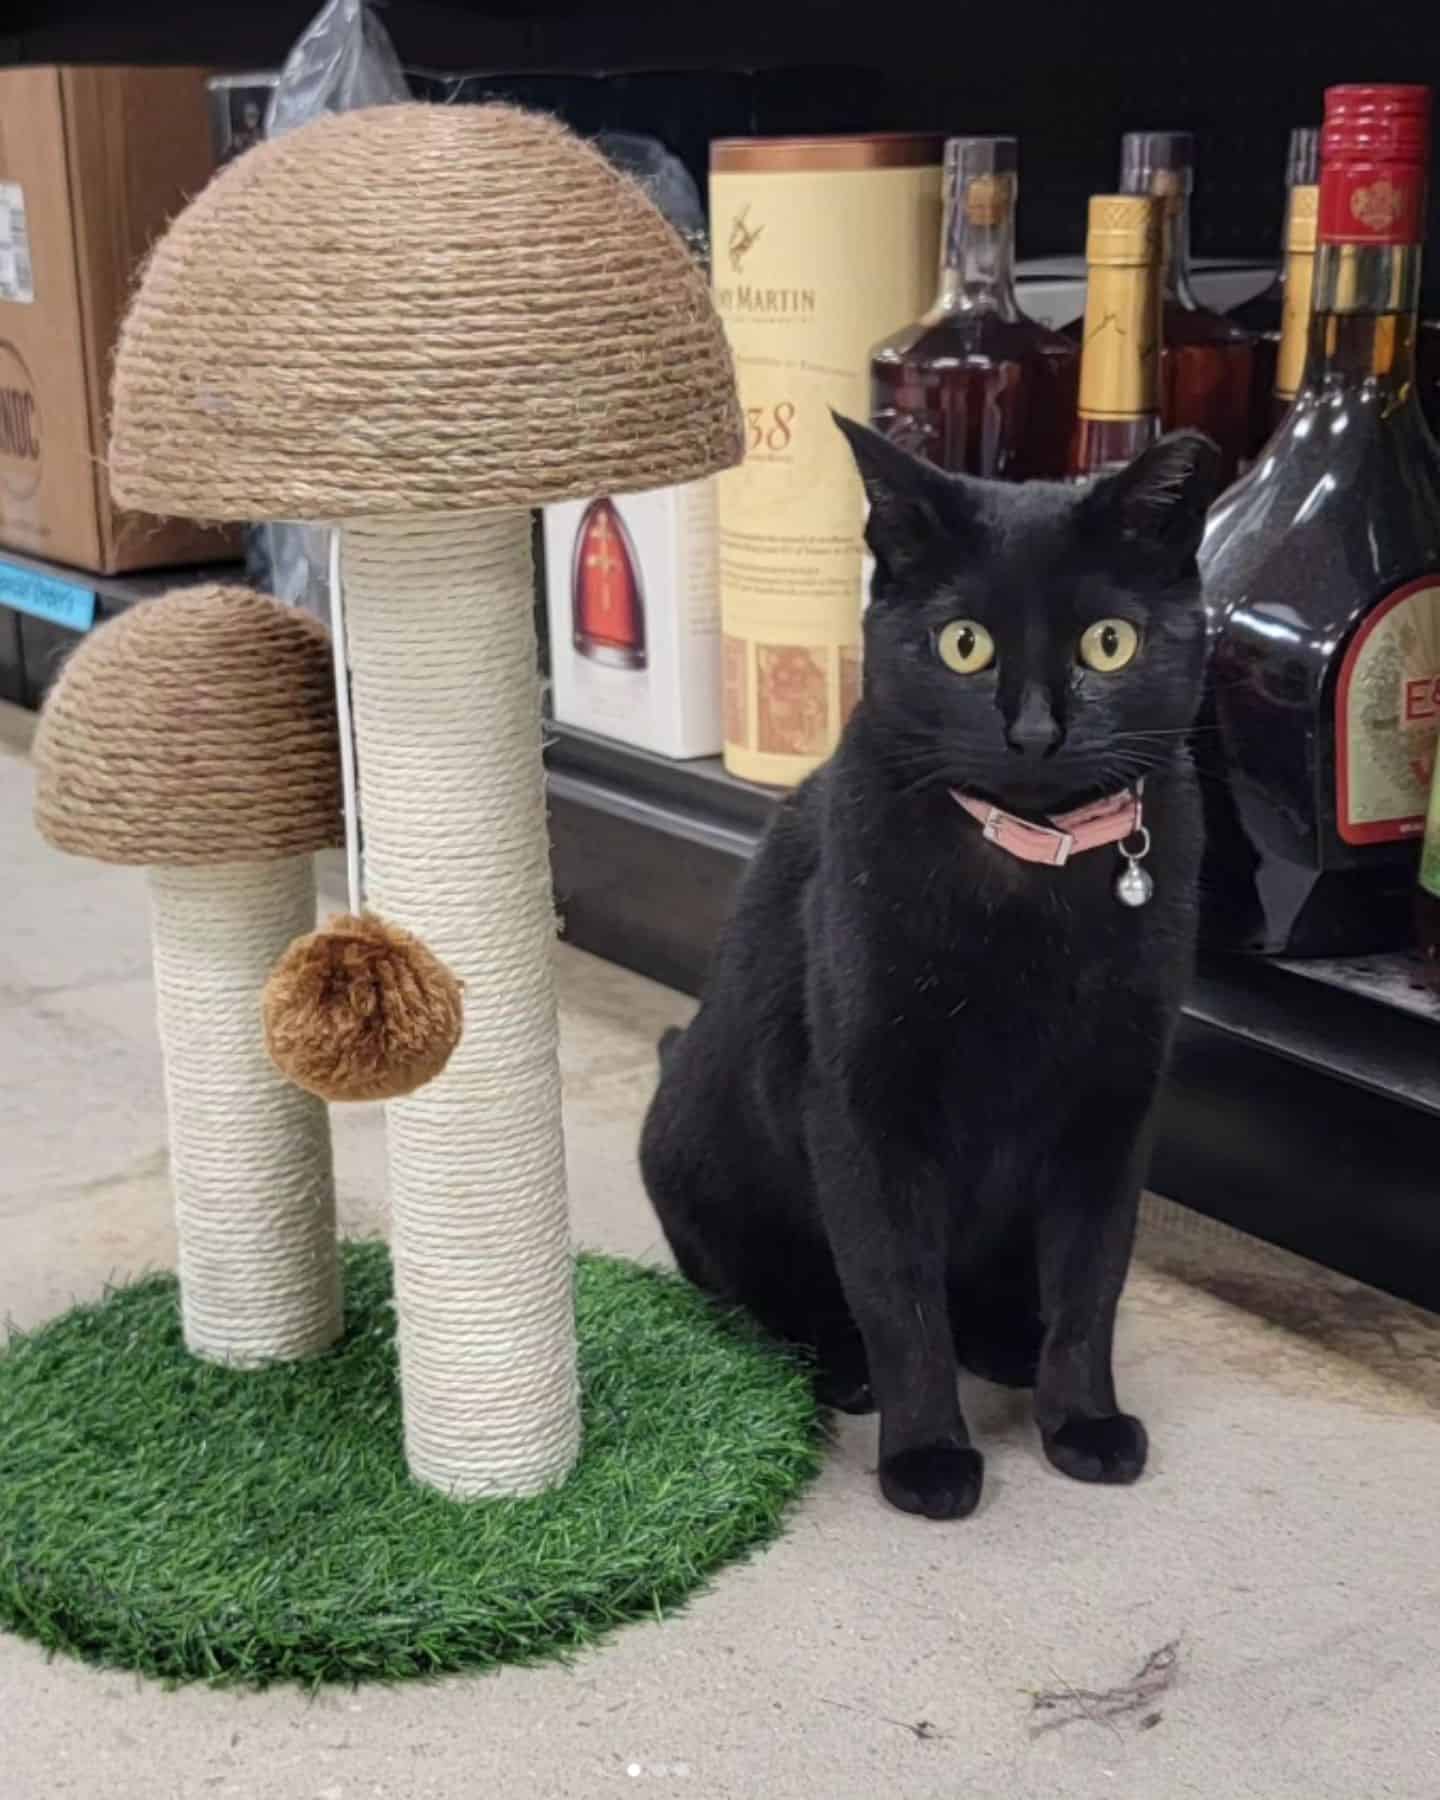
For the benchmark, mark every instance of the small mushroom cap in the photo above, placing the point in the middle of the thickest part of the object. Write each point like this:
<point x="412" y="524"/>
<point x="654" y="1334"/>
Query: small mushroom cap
<point x="193" y="729"/>
<point x="417" y="309"/>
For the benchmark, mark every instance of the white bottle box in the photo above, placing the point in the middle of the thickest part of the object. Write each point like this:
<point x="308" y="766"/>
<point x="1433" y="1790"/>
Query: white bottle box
<point x="634" y="614"/>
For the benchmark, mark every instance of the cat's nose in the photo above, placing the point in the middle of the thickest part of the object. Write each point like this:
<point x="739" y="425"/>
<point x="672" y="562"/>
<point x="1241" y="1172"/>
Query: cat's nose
<point x="1034" y="731"/>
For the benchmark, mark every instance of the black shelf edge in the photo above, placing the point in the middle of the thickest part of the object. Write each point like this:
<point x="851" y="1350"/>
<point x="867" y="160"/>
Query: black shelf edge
<point x="1302" y="1110"/>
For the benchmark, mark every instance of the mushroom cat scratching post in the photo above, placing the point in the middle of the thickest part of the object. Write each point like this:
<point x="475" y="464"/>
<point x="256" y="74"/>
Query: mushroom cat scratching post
<point x="195" y="736"/>
<point x="418" y="323"/>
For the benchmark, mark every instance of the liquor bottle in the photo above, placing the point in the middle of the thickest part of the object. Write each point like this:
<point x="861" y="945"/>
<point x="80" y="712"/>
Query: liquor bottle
<point x="1206" y="360"/>
<point x="974" y="385"/>
<point x="1427" y="894"/>
<point x="1302" y="224"/>
<point x="1427" y="359"/>
<point x="1118" y="411"/>
<point x="1266" y="313"/>
<point x="1322" y="569"/>
<point x="606" y="596"/>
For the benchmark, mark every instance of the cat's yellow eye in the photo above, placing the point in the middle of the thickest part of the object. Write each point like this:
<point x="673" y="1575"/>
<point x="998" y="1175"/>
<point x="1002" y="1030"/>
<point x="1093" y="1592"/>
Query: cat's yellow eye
<point x="1108" y="645"/>
<point x="964" y="646"/>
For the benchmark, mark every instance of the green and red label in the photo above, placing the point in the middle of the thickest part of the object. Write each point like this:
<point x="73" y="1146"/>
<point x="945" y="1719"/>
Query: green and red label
<point x="1387" y="717"/>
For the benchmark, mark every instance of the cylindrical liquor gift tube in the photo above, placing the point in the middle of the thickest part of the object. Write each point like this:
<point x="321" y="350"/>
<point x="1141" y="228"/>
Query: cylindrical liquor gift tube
<point x="822" y="247"/>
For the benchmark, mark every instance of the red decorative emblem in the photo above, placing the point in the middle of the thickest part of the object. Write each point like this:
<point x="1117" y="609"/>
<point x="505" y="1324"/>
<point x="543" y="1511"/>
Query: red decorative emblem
<point x="607" y="596"/>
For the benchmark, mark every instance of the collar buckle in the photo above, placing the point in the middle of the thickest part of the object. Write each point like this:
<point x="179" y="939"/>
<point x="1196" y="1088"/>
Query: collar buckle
<point x="1064" y="848"/>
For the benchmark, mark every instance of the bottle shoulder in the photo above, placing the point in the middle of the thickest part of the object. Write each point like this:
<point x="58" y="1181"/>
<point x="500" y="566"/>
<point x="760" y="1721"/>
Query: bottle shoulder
<point x="1262" y="313"/>
<point x="982" y="334"/>
<point x="1343" y="504"/>
<point x="1183" y="326"/>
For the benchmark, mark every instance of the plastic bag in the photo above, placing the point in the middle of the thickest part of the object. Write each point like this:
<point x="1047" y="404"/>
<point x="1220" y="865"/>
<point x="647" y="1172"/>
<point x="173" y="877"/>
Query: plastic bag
<point x="344" y="59"/>
<point x="666" y="182"/>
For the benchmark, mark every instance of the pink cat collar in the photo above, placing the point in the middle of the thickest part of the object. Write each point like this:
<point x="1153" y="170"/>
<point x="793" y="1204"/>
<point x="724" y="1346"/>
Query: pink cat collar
<point x="1091" y="827"/>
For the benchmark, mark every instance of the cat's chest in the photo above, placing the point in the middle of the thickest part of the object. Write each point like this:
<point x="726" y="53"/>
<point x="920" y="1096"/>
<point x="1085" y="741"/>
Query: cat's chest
<point x="1041" y="974"/>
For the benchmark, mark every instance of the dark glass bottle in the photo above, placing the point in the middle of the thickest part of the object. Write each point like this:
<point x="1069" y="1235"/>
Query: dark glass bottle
<point x="1292" y="350"/>
<point x="1265" y="313"/>
<point x="1322" y="568"/>
<point x="1118" y="410"/>
<point x="975" y="386"/>
<point x="1206" y="360"/>
<point x="1427" y="894"/>
<point x="1427" y="358"/>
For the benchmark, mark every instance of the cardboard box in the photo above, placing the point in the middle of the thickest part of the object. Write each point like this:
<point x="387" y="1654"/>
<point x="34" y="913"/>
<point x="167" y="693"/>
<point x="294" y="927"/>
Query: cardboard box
<point x="93" y="165"/>
<point x="634" y="615"/>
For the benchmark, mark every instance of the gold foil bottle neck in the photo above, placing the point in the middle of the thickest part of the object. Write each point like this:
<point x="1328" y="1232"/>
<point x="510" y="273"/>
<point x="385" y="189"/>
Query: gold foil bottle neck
<point x="1123" y="231"/>
<point x="1300" y="235"/>
<point x="1304" y="218"/>
<point x="1120" y="351"/>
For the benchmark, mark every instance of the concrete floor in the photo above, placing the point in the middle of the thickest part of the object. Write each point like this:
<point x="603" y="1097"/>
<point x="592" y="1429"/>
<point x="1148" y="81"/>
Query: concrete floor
<point x="1286" y="1540"/>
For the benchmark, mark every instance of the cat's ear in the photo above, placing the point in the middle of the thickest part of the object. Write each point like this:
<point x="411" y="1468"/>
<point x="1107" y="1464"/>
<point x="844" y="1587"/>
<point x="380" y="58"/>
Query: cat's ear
<point x="1156" y="505"/>
<point x="912" y="504"/>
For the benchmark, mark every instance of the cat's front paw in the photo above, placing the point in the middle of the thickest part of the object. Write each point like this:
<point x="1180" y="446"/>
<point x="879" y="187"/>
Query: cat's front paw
<point x="1111" y="1449"/>
<point x="939" y="1481"/>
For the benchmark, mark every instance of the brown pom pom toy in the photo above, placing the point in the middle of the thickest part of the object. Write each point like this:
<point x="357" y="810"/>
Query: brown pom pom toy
<point x="361" y="1010"/>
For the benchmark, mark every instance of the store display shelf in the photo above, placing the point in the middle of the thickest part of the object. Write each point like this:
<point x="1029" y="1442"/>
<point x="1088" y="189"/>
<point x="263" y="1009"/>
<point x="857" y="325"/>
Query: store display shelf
<point x="1304" y="1100"/>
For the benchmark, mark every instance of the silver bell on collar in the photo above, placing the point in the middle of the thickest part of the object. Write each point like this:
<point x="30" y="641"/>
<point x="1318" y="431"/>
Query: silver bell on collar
<point x="1133" y="885"/>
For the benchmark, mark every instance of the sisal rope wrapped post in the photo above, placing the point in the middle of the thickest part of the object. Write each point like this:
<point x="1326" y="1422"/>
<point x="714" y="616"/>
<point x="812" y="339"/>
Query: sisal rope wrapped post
<point x="448" y="734"/>
<point x="249" y="1152"/>
<point x="195" y="736"/>
<point x="291" y="355"/>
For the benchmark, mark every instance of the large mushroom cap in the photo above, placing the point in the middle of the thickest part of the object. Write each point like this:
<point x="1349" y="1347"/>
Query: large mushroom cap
<point x="417" y="309"/>
<point x="196" y="728"/>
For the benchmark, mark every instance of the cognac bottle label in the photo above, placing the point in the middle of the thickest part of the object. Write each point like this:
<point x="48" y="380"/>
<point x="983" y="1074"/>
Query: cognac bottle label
<point x="1387" y="709"/>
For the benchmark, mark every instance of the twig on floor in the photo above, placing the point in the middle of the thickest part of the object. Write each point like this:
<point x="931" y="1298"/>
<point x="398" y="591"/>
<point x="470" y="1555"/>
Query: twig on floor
<point x="922" y="1729"/>
<point x="1070" y="1705"/>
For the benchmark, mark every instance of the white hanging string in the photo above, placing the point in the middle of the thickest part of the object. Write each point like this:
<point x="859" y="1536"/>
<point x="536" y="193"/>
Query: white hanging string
<point x="347" y="734"/>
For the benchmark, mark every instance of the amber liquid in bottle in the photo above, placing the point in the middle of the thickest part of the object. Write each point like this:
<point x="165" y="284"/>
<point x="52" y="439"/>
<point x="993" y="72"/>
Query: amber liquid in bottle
<point x="1118" y="410"/>
<point x="1322" y="569"/>
<point x="1206" y="360"/>
<point x="975" y="386"/>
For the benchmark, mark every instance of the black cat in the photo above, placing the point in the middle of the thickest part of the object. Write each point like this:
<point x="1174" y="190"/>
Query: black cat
<point x="909" y="1123"/>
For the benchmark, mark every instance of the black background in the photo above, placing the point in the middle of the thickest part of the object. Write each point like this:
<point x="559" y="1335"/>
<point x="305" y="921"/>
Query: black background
<point x="1067" y="78"/>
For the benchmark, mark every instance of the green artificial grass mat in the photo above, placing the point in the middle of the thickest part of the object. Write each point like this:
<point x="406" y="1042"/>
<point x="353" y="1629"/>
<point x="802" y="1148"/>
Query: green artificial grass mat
<point x="201" y="1523"/>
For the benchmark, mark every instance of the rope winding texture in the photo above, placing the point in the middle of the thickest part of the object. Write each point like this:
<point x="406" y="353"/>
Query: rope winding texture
<point x="447" y="723"/>
<point x="417" y="309"/>
<point x="196" y="728"/>
<point x="249" y="1153"/>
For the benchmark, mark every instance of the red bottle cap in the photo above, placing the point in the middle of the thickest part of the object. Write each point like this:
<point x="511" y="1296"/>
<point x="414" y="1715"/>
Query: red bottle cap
<point x="1375" y="155"/>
